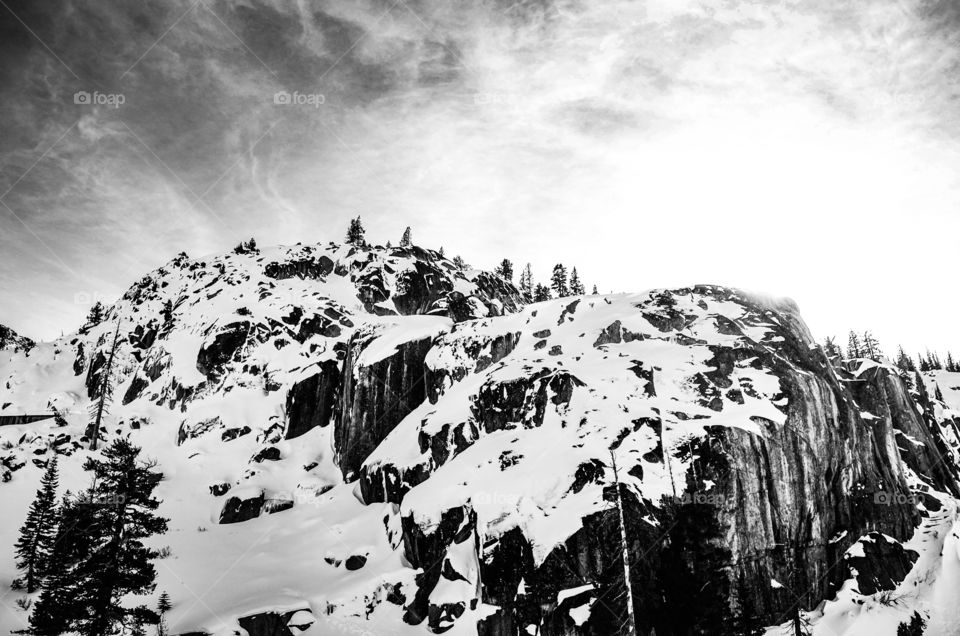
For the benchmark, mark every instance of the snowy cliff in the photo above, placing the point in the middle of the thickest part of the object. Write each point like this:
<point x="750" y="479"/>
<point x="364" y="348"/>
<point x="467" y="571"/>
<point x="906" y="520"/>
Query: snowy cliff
<point x="376" y="441"/>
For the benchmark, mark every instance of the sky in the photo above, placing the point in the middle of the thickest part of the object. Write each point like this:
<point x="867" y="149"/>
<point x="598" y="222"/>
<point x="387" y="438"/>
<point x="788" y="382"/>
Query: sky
<point x="803" y="149"/>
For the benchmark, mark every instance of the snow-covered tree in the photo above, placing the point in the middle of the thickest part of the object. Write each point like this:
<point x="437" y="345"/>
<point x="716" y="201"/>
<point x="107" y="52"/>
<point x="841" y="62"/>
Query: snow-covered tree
<point x="405" y="240"/>
<point x="163" y="606"/>
<point x="540" y="293"/>
<point x="576" y="287"/>
<point x="870" y="347"/>
<point x="35" y="543"/>
<point x="854" y="349"/>
<point x="118" y="564"/>
<point x="356" y="233"/>
<point x="526" y="282"/>
<point x="97" y="314"/>
<point x="558" y="281"/>
<point x="905" y="362"/>
<point x="505" y="270"/>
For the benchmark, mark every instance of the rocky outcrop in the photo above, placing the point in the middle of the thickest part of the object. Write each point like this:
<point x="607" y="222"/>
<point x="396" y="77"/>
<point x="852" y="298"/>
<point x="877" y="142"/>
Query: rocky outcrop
<point x="782" y="496"/>
<point x="375" y="397"/>
<point x="10" y="340"/>
<point x="311" y="402"/>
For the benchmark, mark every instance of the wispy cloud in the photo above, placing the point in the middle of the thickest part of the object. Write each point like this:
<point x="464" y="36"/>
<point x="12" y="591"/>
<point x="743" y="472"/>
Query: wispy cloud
<point x="805" y="148"/>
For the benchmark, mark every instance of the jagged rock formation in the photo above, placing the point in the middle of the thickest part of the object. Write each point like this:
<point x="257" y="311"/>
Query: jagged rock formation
<point x="403" y="441"/>
<point x="10" y="340"/>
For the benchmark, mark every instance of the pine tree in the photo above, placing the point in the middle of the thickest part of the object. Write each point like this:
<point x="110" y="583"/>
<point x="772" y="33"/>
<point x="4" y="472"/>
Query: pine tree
<point x="443" y="253"/>
<point x="870" y="348"/>
<point x="576" y="287"/>
<point x="163" y="606"/>
<point x="558" y="282"/>
<point x="99" y="408"/>
<point x="97" y="314"/>
<point x="924" y="362"/>
<point x="123" y="516"/>
<point x="58" y="607"/>
<point x="832" y="350"/>
<point x="356" y="233"/>
<point x="540" y="293"/>
<point x="34" y="547"/>
<point x="853" y="346"/>
<point x="594" y="292"/>
<point x="526" y="283"/>
<point x="505" y="270"/>
<point x="459" y="262"/>
<point x="405" y="239"/>
<point x="951" y="365"/>
<point x="904" y="362"/>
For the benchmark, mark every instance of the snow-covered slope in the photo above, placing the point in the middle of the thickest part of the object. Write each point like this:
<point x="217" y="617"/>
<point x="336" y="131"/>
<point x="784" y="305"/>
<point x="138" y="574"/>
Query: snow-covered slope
<point x="373" y="441"/>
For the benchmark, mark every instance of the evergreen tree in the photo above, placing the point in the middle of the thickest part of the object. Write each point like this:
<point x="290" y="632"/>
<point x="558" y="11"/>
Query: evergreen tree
<point x="356" y="234"/>
<point x="870" y="348"/>
<point x="924" y="362"/>
<point x="951" y="365"/>
<point x="832" y="350"/>
<point x="163" y="606"/>
<point x="97" y="314"/>
<point x="594" y="292"/>
<point x="526" y="283"/>
<point x="405" y="239"/>
<point x="904" y="362"/>
<point x="914" y="628"/>
<point x="105" y="393"/>
<point x="123" y="516"/>
<point x="853" y="346"/>
<point x="34" y="547"/>
<point x="540" y="293"/>
<point x="442" y="251"/>
<point x="576" y="287"/>
<point x="505" y="270"/>
<point x="59" y="607"/>
<point x="459" y="262"/>
<point x="558" y="282"/>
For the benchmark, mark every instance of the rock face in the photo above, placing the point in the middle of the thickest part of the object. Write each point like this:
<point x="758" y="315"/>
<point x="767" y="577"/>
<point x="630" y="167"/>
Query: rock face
<point x="311" y="402"/>
<point x="374" y="397"/>
<point x="744" y="457"/>
<point x="10" y="340"/>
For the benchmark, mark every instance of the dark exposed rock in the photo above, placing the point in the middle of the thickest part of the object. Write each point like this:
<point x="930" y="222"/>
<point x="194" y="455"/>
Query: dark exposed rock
<point x="374" y="398"/>
<point x="268" y="454"/>
<point x="234" y="433"/>
<point x="883" y="566"/>
<point x="224" y="348"/>
<point x="268" y="623"/>
<point x="311" y="402"/>
<point x="355" y="562"/>
<point x="237" y="510"/>
<point x="307" y="268"/>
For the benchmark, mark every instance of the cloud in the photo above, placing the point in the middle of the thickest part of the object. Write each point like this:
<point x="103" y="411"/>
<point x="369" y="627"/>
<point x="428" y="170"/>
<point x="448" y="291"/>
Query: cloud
<point x="788" y="146"/>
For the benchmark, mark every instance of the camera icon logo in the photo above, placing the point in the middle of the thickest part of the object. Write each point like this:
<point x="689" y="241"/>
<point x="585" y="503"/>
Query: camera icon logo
<point x="281" y="97"/>
<point x="81" y="97"/>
